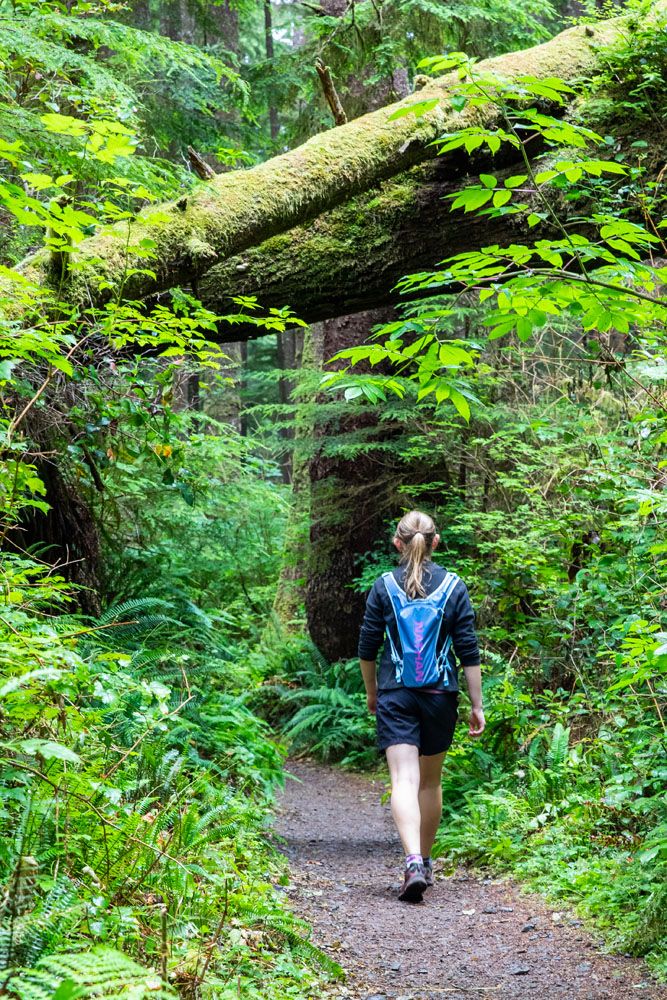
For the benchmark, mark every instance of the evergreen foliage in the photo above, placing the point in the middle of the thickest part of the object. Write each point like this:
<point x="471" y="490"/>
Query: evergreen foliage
<point x="149" y="687"/>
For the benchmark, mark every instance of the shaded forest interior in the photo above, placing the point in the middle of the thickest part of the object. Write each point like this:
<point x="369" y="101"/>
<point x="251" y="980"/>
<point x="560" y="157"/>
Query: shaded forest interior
<point x="272" y="273"/>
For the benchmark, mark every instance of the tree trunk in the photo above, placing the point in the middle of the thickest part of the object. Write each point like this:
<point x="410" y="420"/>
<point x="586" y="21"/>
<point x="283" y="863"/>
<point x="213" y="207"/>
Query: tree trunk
<point x="241" y="209"/>
<point x="274" y="124"/>
<point x="290" y="353"/>
<point x="67" y="536"/>
<point x="349" y="500"/>
<point x="288" y="602"/>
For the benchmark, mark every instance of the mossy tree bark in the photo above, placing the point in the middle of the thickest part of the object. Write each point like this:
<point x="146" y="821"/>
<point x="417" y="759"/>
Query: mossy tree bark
<point x="350" y="497"/>
<point x="350" y="259"/>
<point x="241" y="209"/>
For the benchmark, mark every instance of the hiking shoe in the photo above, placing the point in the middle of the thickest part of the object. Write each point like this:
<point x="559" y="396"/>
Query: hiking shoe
<point x="414" y="884"/>
<point x="428" y="873"/>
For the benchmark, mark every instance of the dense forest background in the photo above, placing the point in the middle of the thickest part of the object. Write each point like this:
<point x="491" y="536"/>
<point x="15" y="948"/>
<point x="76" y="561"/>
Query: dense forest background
<point x="195" y="497"/>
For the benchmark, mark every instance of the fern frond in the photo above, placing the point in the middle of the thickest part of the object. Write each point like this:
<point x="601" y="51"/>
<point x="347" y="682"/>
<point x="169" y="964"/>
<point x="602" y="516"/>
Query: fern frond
<point x="134" y="608"/>
<point x="102" y="972"/>
<point x="558" y="749"/>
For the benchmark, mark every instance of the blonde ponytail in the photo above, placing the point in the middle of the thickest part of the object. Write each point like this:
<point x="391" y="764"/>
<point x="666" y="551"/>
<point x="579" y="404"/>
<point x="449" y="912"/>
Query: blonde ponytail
<point x="416" y="531"/>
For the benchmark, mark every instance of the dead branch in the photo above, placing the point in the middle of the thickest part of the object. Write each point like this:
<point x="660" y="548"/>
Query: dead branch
<point x="199" y="165"/>
<point x="330" y="92"/>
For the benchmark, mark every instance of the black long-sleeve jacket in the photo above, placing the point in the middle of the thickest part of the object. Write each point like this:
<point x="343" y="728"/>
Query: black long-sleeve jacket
<point x="458" y="621"/>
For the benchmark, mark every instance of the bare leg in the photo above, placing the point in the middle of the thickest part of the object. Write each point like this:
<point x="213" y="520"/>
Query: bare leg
<point x="430" y="799"/>
<point x="403" y="761"/>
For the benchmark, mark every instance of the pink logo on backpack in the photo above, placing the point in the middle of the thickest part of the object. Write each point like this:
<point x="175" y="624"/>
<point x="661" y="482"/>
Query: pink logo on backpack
<point x="419" y="645"/>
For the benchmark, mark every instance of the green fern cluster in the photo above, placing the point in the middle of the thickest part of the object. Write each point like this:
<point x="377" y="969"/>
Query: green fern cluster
<point x="556" y="756"/>
<point x="320" y="707"/>
<point x="31" y="925"/>
<point x="101" y="972"/>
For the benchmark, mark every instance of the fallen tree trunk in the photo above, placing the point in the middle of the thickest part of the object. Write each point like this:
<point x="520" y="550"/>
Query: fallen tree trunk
<point x="235" y="211"/>
<point x="349" y="260"/>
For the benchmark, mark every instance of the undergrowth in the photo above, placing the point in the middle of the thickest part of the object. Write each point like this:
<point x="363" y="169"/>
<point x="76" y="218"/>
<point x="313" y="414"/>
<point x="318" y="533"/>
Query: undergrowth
<point x="134" y="810"/>
<point x="565" y="793"/>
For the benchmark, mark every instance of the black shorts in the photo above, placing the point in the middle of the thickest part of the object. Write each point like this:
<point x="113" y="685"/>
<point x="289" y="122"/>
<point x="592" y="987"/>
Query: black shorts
<point x="423" y="719"/>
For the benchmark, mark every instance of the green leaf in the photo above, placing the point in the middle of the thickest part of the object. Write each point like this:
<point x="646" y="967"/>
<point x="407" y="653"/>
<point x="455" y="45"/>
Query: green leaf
<point x="524" y="328"/>
<point x="38" y="181"/>
<point x="472" y="198"/>
<point x="6" y="368"/>
<point x="460" y="402"/>
<point x="545" y="175"/>
<point x="451" y="356"/>
<point x="417" y="108"/>
<point x="64" y="124"/>
<point x="49" y="750"/>
<point x="648" y="854"/>
<point x="501" y="198"/>
<point x="440" y="64"/>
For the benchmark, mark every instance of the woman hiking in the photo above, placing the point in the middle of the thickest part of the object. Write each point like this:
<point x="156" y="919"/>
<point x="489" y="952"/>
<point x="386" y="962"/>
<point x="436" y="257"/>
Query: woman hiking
<point x="425" y="614"/>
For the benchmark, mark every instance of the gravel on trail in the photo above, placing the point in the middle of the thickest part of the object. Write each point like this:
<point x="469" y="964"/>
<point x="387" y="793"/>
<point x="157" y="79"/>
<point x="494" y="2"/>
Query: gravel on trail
<point x="470" y="937"/>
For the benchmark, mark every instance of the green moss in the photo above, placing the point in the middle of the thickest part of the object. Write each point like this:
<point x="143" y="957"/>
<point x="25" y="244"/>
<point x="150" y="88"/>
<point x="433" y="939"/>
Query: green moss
<point x="242" y="209"/>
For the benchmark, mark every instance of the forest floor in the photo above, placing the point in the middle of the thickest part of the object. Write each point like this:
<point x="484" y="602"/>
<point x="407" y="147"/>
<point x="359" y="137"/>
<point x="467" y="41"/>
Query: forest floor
<point x="470" y="937"/>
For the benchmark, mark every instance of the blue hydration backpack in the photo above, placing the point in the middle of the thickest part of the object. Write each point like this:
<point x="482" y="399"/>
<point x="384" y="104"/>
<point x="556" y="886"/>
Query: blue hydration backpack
<point x="418" y="621"/>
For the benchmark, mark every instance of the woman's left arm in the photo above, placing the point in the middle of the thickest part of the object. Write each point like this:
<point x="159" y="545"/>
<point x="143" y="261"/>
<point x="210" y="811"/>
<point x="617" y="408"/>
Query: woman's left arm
<point x="370" y="640"/>
<point x="466" y="647"/>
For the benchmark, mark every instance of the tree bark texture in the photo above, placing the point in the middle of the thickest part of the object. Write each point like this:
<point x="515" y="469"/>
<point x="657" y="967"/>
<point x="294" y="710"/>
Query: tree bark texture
<point x="289" y="599"/>
<point x="350" y="498"/>
<point x="349" y="260"/>
<point x="67" y="536"/>
<point x="289" y="345"/>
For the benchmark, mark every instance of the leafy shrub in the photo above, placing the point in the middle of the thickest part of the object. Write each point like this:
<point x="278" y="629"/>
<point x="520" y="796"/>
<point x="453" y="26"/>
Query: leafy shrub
<point x="133" y="812"/>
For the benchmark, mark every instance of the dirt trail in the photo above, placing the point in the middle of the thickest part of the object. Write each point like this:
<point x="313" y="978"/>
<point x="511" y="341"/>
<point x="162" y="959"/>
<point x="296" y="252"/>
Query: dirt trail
<point x="470" y="937"/>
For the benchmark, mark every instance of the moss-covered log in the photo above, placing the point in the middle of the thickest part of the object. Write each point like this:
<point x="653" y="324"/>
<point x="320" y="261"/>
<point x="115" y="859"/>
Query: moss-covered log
<point x="350" y="259"/>
<point x="241" y="209"/>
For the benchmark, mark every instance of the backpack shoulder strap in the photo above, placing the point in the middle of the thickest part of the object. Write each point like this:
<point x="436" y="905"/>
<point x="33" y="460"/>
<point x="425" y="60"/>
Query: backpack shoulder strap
<point x="443" y="591"/>
<point x="446" y="587"/>
<point x="394" y="592"/>
<point x="390" y="583"/>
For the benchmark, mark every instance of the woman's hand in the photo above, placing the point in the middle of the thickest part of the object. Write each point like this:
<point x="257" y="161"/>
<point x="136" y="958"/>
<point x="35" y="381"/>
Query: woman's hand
<point x="477" y="721"/>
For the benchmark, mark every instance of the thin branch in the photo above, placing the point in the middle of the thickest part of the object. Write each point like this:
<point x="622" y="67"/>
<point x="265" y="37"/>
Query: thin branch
<point x="31" y="402"/>
<point x="214" y="940"/>
<point x="330" y="92"/>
